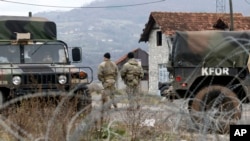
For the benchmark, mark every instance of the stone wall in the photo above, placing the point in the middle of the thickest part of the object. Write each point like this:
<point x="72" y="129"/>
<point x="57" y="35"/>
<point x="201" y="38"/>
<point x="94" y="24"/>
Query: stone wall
<point x="157" y="55"/>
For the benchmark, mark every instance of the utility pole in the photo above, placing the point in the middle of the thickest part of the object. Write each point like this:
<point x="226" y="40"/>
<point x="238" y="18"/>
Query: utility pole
<point x="231" y="15"/>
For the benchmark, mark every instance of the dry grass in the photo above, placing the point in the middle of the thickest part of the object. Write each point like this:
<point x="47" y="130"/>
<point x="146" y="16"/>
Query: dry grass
<point x="42" y="119"/>
<point x="39" y="118"/>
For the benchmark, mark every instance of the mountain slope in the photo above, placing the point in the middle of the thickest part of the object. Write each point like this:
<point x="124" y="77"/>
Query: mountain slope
<point x="117" y="30"/>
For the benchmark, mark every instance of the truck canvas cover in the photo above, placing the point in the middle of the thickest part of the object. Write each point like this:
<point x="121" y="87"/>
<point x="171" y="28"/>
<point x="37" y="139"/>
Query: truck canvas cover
<point x="211" y="48"/>
<point x="39" y="28"/>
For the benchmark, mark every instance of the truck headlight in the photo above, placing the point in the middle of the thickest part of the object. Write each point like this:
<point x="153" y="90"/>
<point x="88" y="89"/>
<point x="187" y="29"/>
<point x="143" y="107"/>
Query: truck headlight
<point x="16" y="80"/>
<point x="62" y="79"/>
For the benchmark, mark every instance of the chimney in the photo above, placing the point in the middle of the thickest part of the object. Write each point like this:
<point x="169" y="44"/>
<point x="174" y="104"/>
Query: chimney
<point x="30" y="14"/>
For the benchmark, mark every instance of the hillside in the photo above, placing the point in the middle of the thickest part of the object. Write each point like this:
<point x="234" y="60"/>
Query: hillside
<point x="115" y="30"/>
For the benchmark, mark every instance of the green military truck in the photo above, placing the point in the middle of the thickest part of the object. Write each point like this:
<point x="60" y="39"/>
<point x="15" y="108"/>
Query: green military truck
<point x="210" y="69"/>
<point x="33" y="60"/>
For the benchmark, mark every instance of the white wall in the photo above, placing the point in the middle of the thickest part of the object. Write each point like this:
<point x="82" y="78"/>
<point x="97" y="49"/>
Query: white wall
<point x="157" y="55"/>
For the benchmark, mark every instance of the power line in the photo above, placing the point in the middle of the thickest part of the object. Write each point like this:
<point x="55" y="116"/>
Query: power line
<point x="110" y="6"/>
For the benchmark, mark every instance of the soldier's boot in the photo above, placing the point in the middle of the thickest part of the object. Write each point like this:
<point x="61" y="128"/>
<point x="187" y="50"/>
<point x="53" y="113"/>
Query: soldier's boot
<point x="104" y="103"/>
<point x="138" y="107"/>
<point x="130" y="109"/>
<point x="115" y="106"/>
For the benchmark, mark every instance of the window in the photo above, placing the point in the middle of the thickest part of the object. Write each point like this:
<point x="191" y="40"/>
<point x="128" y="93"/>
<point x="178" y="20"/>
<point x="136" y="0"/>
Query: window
<point x="158" y="38"/>
<point x="163" y="73"/>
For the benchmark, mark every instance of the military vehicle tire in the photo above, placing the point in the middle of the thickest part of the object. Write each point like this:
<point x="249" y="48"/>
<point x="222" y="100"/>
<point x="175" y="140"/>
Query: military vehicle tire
<point x="215" y="108"/>
<point x="85" y="100"/>
<point x="2" y="98"/>
<point x="163" y="89"/>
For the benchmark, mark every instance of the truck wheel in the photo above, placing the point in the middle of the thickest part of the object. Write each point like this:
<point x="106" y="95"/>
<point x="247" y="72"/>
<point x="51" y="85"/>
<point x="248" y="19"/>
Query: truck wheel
<point x="84" y="100"/>
<point x="2" y="98"/>
<point x="163" y="89"/>
<point x="215" y="108"/>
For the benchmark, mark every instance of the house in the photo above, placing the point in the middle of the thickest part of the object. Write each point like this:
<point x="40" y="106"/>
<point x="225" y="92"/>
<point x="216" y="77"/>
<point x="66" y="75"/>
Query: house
<point x="161" y="26"/>
<point x="142" y="57"/>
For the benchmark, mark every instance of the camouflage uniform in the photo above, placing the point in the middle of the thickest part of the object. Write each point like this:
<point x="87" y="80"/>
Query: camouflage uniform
<point x="107" y="74"/>
<point x="47" y="58"/>
<point x="131" y="74"/>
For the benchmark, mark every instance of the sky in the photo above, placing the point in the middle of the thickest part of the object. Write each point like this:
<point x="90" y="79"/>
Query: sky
<point x="22" y="7"/>
<point x="10" y="7"/>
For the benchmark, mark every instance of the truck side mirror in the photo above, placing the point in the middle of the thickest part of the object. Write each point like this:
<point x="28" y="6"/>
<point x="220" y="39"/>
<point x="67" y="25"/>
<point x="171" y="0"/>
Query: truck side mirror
<point x="76" y="54"/>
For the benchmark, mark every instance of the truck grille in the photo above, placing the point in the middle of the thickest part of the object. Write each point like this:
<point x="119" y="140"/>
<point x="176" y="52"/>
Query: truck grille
<point x="40" y="79"/>
<point x="44" y="75"/>
<point x="39" y="75"/>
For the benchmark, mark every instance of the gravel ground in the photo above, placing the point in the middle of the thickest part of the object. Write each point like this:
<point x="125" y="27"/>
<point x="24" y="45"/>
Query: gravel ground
<point x="173" y="115"/>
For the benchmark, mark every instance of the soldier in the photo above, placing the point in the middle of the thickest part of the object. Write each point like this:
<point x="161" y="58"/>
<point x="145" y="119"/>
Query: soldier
<point x="107" y="74"/>
<point x="131" y="74"/>
<point x="47" y="57"/>
<point x="12" y="54"/>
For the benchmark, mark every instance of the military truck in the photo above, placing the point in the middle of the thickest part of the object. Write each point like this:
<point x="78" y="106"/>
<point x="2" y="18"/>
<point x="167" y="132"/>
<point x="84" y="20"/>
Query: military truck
<point x="211" y="70"/>
<point x="33" y="60"/>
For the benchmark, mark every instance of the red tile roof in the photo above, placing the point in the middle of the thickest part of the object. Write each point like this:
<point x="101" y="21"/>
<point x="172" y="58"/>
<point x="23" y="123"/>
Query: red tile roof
<point x="169" y="22"/>
<point x="139" y="54"/>
<point x="124" y="57"/>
